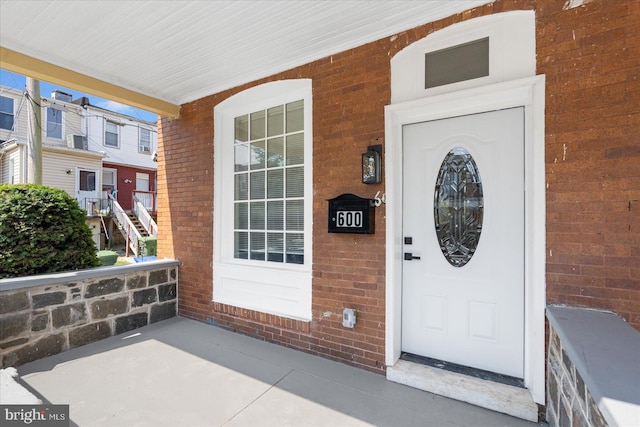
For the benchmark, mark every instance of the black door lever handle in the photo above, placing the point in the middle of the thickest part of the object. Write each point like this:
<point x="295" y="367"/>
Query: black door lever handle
<point x="408" y="256"/>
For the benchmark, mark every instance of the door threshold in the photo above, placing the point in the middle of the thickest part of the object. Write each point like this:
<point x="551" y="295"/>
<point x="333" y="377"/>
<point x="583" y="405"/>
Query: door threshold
<point x="461" y="369"/>
<point x="514" y="400"/>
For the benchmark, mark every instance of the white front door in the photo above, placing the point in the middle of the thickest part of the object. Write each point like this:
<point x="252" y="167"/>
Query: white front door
<point x="463" y="284"/>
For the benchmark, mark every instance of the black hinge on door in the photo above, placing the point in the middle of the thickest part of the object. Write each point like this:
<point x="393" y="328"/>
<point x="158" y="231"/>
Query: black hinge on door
<point x="408" y="256"/>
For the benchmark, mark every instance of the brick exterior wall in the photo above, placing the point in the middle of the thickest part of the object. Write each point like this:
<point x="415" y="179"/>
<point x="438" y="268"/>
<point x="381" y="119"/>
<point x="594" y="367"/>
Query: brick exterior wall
<point x="590" y="55"/>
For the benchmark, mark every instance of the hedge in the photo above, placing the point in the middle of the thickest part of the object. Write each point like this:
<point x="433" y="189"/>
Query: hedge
<point x="42" y="230"/>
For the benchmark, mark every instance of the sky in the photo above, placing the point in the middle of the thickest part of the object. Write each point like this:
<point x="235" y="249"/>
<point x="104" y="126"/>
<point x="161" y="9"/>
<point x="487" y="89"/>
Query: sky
<point x="18" y="81"/>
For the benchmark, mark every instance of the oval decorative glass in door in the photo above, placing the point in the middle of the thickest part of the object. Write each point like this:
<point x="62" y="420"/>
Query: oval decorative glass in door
<point x="458" y="207"/>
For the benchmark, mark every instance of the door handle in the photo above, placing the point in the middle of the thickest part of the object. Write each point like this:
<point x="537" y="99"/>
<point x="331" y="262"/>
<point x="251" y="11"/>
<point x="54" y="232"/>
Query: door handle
<point x="408" y="256"/>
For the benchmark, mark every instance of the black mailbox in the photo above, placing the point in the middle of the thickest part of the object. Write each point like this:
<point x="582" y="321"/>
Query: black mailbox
<point x="349" y="213"/>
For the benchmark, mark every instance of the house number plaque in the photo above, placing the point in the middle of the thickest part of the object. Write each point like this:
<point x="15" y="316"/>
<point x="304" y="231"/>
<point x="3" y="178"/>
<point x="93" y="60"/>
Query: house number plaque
<point x="349" y="213"/>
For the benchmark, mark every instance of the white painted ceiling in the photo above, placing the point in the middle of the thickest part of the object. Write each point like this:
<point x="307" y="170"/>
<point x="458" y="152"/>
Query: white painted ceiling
<point x="179" y="51"/>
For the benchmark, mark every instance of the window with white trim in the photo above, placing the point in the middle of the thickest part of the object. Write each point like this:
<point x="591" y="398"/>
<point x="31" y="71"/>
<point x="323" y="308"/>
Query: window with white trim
<point x="54" y="123"/>
<point x="111" y="134"/>
<point x="6" y="113"/>
<point x="269" y="184"/>
<point x="144" y="143"/>
<point x="263" y="199"/>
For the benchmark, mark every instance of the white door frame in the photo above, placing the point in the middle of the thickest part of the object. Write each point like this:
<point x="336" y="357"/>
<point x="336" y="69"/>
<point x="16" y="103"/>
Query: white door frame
<point x="527" y="92"/>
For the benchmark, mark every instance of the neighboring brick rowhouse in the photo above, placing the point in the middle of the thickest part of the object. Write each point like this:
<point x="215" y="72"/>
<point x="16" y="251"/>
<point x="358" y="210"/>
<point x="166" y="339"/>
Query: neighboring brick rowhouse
<point x="591" y="57"/>
<point x="41" y="321"/>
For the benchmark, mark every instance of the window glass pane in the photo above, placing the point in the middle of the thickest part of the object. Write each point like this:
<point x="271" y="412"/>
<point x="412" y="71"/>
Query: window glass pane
<point x="275" y="124"/>
<point x="295" y="149"/>
<point x="6" y="105"/>
<point x="242" y="128"/>
<point x="241" y="245"/>
<point x="272" y="179"/>
<point x="54" y="123"/>
<point x="241" y="187"/>
<point x="257" y="125"/>
<point x="6" y="121"/>
<point x="275" y="184"/>
<point x="111" y="134"/>
<point x="458" y="63"/>
<point x="108" y="177"/>
<point x="295" y="182"/>
<point x="241" y="216"/>
<point x="6" y="113"/>
<point x="256" y="215"/>
<point x="458" y="207"/>
<point x="145" y="140"/>
<point x="275" y="215"/>
<point x="295" y="248"/>
<point x="87" y="181"/>
<point x="295" y="215"/>
<point x="257" y="246"/>
<point x="257" y="185"/>
<point x="275" y="152"/>
<point x="275" y="247"/>
<point x="295" y="116"/>
<point x="241" y="157"/>
<point x="257" y="155"/>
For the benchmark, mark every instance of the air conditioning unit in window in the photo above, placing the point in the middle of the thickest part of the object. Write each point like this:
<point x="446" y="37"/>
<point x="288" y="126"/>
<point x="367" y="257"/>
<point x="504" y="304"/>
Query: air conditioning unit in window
<point x="77" y="141"/>
<point x="146" y="149"/>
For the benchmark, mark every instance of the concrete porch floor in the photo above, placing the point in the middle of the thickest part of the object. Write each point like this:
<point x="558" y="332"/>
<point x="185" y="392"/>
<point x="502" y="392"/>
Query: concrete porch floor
<point x="180" y="372"/>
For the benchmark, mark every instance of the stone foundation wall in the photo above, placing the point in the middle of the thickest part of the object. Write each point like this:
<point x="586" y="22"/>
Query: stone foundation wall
<point x="569" y="402"/>
<point x="72" y="309"/>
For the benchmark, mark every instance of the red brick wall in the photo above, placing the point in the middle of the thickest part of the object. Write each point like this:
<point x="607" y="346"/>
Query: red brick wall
<point x="593" y="185"/>
<point x="591" y="56"/>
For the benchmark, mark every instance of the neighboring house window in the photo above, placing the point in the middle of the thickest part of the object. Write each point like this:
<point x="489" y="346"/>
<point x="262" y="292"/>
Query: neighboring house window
<point x="111" y="134"/>
<point x="142" y="181"/>
<point x="6" y="113"/>
<point x="108" y="182"/>
<point x="144" y="145"/>
<point x="87" y="180"/>
<point x="263" y="199"/>
<point x="54" y="123"/>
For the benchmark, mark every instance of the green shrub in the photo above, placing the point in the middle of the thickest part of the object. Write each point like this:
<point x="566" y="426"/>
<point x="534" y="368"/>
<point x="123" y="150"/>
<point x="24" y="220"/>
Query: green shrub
<point x="42" y="230"/>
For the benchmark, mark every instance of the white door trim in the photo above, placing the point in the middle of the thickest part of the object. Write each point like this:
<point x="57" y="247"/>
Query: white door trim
<point x="529" y="93"/>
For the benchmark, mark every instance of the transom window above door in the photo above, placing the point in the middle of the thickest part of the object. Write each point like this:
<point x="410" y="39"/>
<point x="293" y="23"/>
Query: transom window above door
<point x="269" y="184"/>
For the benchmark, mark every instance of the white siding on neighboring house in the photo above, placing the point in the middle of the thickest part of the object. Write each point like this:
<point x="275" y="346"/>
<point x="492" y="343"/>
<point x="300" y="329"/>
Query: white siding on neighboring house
<point x="10" y="165"/>
<point x="129" y="151"/>
<point x="56" y="163"/>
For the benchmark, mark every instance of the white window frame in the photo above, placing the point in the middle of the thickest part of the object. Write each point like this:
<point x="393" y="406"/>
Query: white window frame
<point x="276" y="288"/>
<point x="141" y="146"/>
<point x="117" y="125"/>
<point x="46" y="130"/>
<point x="12" y="114"/>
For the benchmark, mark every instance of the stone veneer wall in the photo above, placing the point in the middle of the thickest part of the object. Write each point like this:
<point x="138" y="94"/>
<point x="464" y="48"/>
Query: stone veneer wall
<point x="569" y="402"/>
<point x="51" y="314"/>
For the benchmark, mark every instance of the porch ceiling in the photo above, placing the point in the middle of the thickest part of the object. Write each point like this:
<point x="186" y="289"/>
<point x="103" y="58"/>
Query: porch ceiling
<point x="158" y="55"/>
